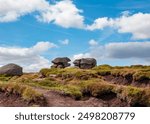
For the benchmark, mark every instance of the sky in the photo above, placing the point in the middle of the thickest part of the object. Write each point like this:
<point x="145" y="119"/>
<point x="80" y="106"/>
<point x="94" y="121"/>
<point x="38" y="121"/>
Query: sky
<point x="34" y="32"/>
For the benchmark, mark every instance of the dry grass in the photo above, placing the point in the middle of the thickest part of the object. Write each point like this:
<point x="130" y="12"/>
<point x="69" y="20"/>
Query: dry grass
<point x="25" y="92"/>
<point x="78" y="83"/>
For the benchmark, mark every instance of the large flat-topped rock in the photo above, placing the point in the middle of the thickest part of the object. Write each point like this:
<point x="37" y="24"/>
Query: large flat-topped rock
<point x="61" y="62"/>
<point x="85" y="63"/>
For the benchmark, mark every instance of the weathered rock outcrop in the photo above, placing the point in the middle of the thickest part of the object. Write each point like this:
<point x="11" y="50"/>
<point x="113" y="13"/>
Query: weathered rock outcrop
<point x="61" y="62"/>
<point x="11" y="70"/>
<point x="85" y="63"/>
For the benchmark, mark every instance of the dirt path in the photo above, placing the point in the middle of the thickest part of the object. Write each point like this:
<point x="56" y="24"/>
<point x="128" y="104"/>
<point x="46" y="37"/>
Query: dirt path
<point x="58" y="99"/>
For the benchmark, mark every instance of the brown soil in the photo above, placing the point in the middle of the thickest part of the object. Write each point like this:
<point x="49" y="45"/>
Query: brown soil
<point x="128" y="80"/>
<point x="11" y="101"/>
<point x="58" y="99"/>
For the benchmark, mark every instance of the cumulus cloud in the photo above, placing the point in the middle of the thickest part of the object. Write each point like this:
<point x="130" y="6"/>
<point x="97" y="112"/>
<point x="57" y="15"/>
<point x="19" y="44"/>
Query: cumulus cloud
<point x="81" y="55"/>
<point x="29" y="58"/>
<point x="92" y="42"/>
<point x="43" y="46"/>
<point x="137" y="24"/>
<point x="123" y="50"/>
<point x="100" y="23"/>
<point x="63" y="13"/>
<point x="11" y="10"/>
<point x="65" y="42"/>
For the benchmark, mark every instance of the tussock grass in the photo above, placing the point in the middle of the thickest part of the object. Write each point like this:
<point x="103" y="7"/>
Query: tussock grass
<point x="78" y="83"/>
<point x="25" y="92"/>
<point x="5" y="78"/>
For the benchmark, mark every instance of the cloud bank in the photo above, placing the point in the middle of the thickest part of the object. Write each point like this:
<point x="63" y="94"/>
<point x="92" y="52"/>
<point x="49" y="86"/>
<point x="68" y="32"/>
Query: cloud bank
<point x="121" y="50"/>
<point x="29" y="58"/>
<point x="63" y="13"/>
<point x="66" y="14"/>
<point x="137" y="24"/>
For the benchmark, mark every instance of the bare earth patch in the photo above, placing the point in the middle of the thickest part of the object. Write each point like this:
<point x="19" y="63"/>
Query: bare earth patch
<point x="11" y="101"/>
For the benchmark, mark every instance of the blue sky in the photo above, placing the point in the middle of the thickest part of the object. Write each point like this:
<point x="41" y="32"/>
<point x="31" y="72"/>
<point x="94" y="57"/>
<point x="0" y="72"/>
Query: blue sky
<point x="33" y="32"/>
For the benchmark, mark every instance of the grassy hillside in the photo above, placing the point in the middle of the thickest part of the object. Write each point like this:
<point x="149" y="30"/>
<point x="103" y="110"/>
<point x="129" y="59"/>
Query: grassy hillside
<point x="128" y="84"/>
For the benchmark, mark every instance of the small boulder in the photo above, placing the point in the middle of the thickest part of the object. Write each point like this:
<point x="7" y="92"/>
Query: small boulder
<point x="11" y="70"/>
<point x="85" y="63"/>
<point x="61" y="62"/>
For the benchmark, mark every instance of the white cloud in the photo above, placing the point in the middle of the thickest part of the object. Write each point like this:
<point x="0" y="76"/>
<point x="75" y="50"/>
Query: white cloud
<point x="100" y="23"/>
<point x="93" y="42"/>
<point x="135" y="51"/>
<point x="126" y="13"/>
<point x="29" y="58"/>
<point x="11" y="10"/>
<point x="39" y="62"/>
<point x="63" y="13"/>
<point x="137" y="24"/>
<point x="81" y="55"/>
<point x="43" y="46"/>
<point x="65" y="42"/>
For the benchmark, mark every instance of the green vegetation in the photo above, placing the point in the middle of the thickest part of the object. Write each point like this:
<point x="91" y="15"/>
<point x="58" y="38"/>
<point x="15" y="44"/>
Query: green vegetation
<point x="68" y="73"/>
<point x="93" y="84"/>
<point x="79" y="83"/>
<point x="26" y="92"/>
<point x="137" y="72"/>
<point x="5" y="78"/>
<point x="30" y="95"/>
<point x="136" y="95"/>
<point x="96" y="88"/>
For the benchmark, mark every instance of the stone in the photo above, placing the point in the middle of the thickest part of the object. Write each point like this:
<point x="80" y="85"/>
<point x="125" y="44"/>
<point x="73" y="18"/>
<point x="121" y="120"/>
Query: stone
<point x="60" y="66"/>
<point x="85" y="63"/>
<point x="11" y="70"/>
<point x="88" y="61"/>
<point x="54" y="66"/>
<point x="67" y="64"/>
<point x="77" y="62"/>
<point x="61" y="62"/>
